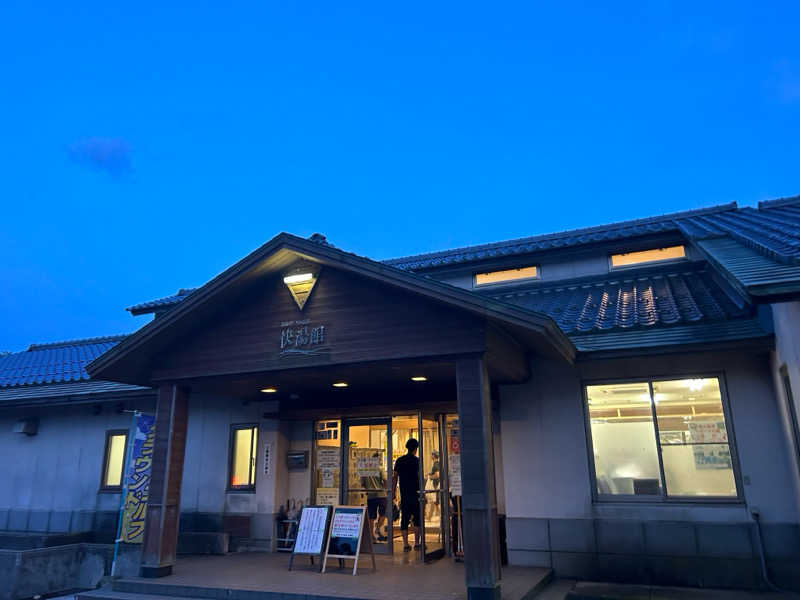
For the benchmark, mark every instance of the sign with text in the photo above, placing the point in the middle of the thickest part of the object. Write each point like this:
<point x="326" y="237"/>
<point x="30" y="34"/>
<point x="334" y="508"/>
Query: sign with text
<point x="302" y="337"/>
<point x="137" y="480"/>
<point x="311" y="530"/>
<point x="345" y="535"/>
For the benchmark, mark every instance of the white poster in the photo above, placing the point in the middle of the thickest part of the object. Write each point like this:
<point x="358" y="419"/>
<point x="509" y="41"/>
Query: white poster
<point x="327" y="457"/>
<point x="454" y="474"/>
<point x="328" y="496"/>
<point x="311" y="531"/>
<point x="328" y="478"/>
<point x="368" y="464"/>
<point x="346" y="525"/>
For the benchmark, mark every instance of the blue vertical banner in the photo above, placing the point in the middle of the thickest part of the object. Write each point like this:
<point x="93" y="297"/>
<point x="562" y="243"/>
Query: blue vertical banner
<point x="137" y="483"/>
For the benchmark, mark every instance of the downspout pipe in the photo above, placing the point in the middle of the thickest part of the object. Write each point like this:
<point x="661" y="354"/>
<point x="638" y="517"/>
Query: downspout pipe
<point x="756" y="515"/>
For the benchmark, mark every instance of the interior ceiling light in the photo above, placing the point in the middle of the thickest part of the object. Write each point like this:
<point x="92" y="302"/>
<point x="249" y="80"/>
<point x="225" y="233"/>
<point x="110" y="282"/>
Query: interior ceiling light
<point x="419" y="378"/>
<point x="340" y="384"/>
<point x="270" y="390"/>
<point x="300" y="280"/>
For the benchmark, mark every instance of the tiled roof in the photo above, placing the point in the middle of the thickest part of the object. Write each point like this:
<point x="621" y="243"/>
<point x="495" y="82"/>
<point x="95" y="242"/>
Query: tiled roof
<point x="551" y="241"/>
<point x="161" y="303"/>
<point x="55" y="393"/>
<point x="773" y="229"/>
<point x="57" y="362"/>
<point x="661" y="298"/>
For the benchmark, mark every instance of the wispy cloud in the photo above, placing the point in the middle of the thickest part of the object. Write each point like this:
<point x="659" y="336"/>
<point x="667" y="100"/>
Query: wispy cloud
<point x="107" y="154"/>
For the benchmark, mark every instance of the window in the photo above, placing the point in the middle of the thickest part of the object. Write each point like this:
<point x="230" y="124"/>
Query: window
<point x="114" y="459"/>
<point x="647" y="256"/>
<point x="530" y="272"/>
<point x="244" y="439"/>
<point x="660" y="439"/>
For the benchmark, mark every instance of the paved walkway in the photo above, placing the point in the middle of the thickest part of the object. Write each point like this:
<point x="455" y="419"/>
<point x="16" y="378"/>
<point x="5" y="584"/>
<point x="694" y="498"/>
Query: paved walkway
<point x="612" y="591"/>
<point x="398" y="578"/>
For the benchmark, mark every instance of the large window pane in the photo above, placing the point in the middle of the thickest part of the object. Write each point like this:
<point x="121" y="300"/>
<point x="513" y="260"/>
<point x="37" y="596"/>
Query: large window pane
<point x="694" y="438"/>
<point x="623" y="437"/>
<point x="243" y="460"/>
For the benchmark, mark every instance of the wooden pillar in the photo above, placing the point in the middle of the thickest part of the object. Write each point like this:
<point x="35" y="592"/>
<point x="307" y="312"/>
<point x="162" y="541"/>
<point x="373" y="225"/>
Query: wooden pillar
<point x="479" y="496"/>
<point x="163" y="504"/>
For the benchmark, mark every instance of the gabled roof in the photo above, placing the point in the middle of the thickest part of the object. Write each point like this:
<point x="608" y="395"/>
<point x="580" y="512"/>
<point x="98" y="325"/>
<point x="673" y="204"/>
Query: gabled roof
<point x="128" y="360"/>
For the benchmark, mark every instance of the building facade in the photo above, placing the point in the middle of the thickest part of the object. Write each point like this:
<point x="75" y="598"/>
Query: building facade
<point x="614" y="403"/>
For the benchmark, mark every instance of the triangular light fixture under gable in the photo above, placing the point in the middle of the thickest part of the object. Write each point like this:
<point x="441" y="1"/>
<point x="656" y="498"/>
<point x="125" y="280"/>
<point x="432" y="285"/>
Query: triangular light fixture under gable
<point x="300" y="280"/>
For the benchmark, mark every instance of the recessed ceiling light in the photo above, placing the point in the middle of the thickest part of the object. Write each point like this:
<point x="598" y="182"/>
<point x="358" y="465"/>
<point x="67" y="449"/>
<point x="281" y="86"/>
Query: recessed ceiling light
<point x="270" y="390"/>
<point x="419" y="378"/>
<point x="340" y="384"/>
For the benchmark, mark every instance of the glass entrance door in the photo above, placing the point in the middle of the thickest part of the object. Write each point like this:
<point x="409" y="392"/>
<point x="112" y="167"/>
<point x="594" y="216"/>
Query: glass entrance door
<point x="433" y="484"/>
<point x="368" y="447"/>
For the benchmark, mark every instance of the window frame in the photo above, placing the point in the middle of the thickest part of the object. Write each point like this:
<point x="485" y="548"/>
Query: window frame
<point x="113" y="489"/>
<point x="663" y="497"/>
<point x="500" y="269"/>
<point x="250" y="487"/>
<point x="648" y="263"/>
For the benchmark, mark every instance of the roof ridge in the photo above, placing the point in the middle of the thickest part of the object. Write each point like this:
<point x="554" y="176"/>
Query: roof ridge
<point x="78" y="342"/>
<point x="779" y="202"/>
<point x="570" y="232"/>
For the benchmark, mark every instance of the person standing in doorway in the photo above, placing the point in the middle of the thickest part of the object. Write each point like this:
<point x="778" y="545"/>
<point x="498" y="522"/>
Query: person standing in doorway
<point x="406" y="470"/>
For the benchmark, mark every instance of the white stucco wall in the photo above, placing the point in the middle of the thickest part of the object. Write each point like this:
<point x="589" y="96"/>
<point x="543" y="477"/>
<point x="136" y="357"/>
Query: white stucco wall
<point x="786" y="319"/>
<point x="59" y="468"/>
<point x="546" y="464"/>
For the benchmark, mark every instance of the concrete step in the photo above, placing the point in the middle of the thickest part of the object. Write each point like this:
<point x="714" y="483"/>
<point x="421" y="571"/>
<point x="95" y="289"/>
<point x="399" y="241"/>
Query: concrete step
<point x="586" y="590"/>
<point x="109" y="594"/>
<point x="556" y="589"/>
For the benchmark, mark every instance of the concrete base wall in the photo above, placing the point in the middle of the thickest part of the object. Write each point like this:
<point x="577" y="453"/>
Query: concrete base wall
<point x="721" y="555"/>
<point x="28" y="573"/>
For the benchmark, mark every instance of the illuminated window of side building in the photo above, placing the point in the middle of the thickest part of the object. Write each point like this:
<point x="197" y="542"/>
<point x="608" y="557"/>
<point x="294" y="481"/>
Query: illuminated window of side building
<point x="114" y="459"/>
<point x="661" y="439"/>
<point x="244" y="442"/>
<point x="507" y="275"/>
<point x="629" y="259"/>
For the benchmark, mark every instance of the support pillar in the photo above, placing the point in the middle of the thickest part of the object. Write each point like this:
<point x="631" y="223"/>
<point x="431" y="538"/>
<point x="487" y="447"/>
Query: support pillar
<point x="479" y="496"/>
<point x="163" y="504"/>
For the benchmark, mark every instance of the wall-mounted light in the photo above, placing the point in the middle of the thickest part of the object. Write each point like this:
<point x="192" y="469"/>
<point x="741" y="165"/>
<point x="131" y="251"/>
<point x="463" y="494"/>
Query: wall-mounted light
<point x="419" y="378"/>
<point x="300" y="280"/>
<point x="340" y="384"/>
<point x="269" y="390"/>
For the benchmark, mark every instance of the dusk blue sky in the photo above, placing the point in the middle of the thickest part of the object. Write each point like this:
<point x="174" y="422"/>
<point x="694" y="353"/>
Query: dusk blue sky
<point x="147" y="148"/>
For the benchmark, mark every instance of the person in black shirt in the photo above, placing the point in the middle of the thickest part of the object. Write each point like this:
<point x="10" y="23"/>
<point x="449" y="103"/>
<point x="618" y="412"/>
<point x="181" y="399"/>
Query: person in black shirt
<point x="406" y="469"/>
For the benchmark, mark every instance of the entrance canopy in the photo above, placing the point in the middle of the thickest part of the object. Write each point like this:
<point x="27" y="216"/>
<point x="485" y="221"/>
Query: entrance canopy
<point x="296" y="303"/>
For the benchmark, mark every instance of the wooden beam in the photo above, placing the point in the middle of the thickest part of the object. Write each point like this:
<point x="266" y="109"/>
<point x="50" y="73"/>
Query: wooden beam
<point x="479" y="496"/>
<point x="163" y="506"/>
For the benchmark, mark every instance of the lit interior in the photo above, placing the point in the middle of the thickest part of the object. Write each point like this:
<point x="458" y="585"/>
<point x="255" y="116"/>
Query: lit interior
<point x="114" y="460"/>
<point x="647" y="256"/>
<point x="507" y="275"/>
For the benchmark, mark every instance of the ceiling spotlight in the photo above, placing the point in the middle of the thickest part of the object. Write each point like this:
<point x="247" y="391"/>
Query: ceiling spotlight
<point x="340" y="384"/>
<point x="270" y="390"/>
<point x="419" y="378"/>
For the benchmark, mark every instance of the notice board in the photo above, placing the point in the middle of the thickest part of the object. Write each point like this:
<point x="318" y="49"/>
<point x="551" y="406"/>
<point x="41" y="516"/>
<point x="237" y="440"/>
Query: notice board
<point x="346" y="533"/>
<point x="311" y="532"/>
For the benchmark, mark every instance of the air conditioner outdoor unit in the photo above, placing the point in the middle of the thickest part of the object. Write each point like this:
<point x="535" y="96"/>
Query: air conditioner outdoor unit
<point x="27" y="426"/>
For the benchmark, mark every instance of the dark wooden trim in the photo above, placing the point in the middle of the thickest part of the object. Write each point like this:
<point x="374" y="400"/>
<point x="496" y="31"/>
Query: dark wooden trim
<point x="479" y="494"/>
<point x="159" y="547"/>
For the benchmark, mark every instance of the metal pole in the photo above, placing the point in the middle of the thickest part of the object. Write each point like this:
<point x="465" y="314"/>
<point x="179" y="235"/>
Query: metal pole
<point x="128" y="451"/>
